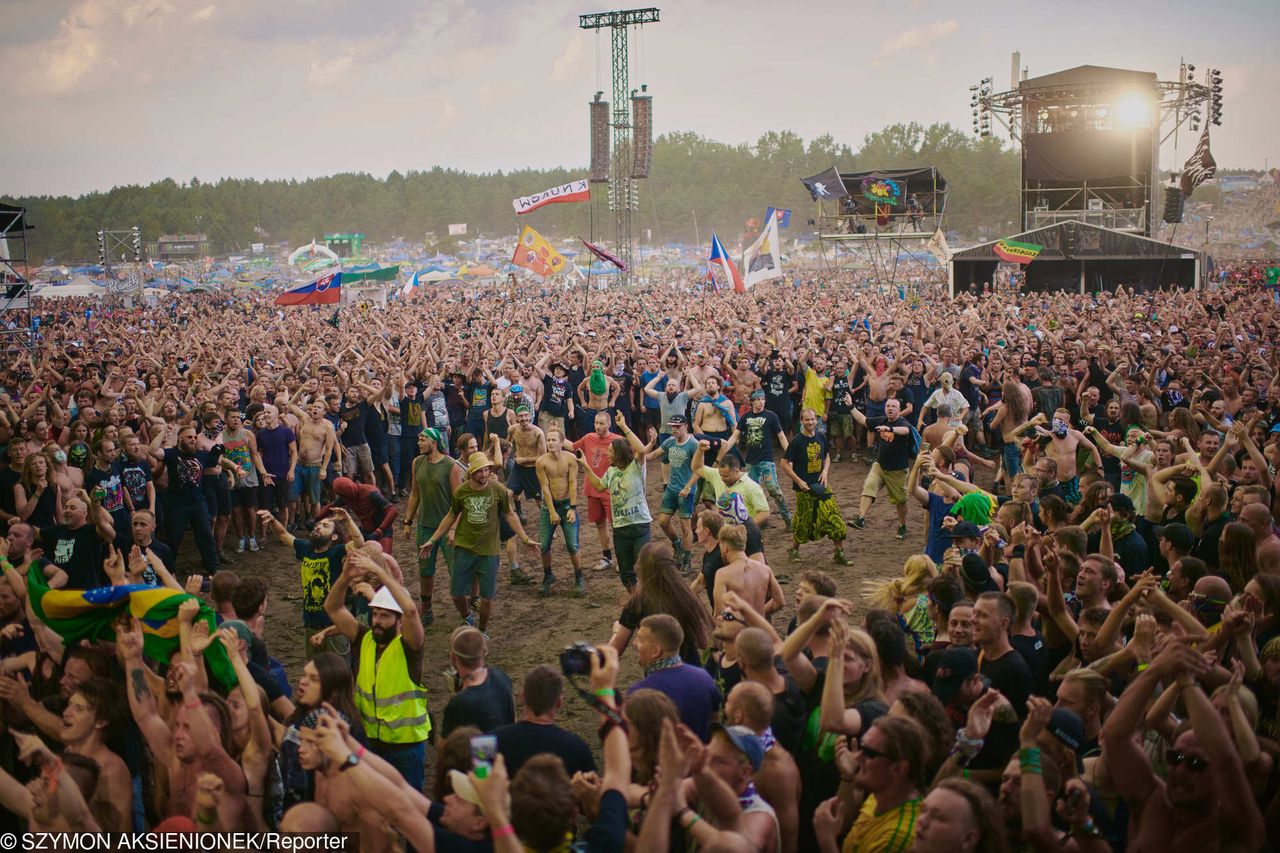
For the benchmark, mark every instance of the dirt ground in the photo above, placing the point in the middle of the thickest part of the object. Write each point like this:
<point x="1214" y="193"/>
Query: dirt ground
<point x="526" y="630"/>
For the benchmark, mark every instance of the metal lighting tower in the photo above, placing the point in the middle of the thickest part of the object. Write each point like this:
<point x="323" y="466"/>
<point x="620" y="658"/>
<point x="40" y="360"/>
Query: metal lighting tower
<point x="623" y="193"/>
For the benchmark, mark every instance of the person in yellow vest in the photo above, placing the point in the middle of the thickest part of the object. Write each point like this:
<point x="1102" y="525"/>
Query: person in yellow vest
<point x="388" y="667"/>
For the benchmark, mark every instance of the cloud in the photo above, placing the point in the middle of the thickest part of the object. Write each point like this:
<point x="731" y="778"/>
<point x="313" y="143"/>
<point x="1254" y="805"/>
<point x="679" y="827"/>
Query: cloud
<point x="204" y="13"/>
<point x="325" y="72"/>
<point x="566" y="62"/>
<point x="918" y="38"/>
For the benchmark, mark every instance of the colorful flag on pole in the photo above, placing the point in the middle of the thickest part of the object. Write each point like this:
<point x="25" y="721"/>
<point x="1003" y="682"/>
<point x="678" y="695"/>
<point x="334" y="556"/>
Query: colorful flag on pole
<point x="826" y="185"/>
<point x="762" y="260"/>
<point x="783" y="216"/>
<point x="1200" y="167"/>
<point x="91" y="614"/>
<point x="325" y="290"/>
<point x="604" y="255"/>
<point x="721" y="257"/>
<point x="1017" y="253"/>
<point x="572" y="191"/>
<point x="535" y="254"/>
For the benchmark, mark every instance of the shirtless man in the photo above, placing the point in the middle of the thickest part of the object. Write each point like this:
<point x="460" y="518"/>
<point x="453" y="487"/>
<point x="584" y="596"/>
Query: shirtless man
<point x="750" y="579"/>
<point x="558" y="480"/>
<point x="194" y="747"/>
<point x="529" y="444"/>
<point x="876" y="374"/>
<point x="1063" y="442"/>
<point x="697" y="376"/>
<point x="316" y="442"/>
<point x="715" y="415"/>
<point x="745" y="381"/>
<point x="597" y="392"/>
<point x="90" y="712"/>
<point x="1206" y="803"/>
<point x="363" y="792"/>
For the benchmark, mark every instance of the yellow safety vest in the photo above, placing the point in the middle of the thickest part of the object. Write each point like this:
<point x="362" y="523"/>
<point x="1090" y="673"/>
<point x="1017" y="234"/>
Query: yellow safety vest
<point x="392" y="707"/>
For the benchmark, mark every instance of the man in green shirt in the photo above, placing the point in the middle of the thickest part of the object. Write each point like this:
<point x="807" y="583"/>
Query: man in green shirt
<point x="434" y="479"/>
<point x="476" y="507"/>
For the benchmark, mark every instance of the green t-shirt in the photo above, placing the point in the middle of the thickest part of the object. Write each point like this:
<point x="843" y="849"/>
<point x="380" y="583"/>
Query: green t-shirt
<point x="477" y="511"/>
<point x="434" y="495"/>
<point x="751" y="492"/>
<point x="626" y="496"/>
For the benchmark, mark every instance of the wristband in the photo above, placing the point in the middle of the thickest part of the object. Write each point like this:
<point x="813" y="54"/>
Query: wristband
<point x="606" y="691"/>
<point x="1019" y="552"/>
<point x="1142" y="667"/>
<point x="503" y="832"/>
<point x="360" y="752"/>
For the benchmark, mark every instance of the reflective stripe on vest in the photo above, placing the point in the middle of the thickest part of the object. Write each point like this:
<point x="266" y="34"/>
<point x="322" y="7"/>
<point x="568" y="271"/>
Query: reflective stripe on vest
<point x="393" y="708"/>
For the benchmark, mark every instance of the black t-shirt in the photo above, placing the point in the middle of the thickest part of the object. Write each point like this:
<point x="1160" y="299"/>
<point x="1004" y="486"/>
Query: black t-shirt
<point x="77" y="552"/>
<point x="1207" y="548"/>
<point x="777" y="391"/>
<point x="790" y="710"/>
<point x="555" y="396"/>
<point x="1036" y="654"/>
<point x="186" y="472"/>
<point x="522" y="740"/>
<point x="840" y="397"/>
<point x="892" y="455"/>
<point x="806" y="455"/>
<point x="8" y="479"/>
<point x="485" y="706"/>
<point x="609" y="832"/>
<point x="1012" y="677"/>
<point x="264" y="680"/>
<point x="135" y="476"/>
<point x="759" y="433"/>
<point x="357" y="419"/>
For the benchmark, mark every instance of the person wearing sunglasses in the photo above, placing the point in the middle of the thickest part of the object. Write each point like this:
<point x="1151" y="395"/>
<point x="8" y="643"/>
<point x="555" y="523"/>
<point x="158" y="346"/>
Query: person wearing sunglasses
<point x="1206" y="801"/>
<point x="1208" y="599"/>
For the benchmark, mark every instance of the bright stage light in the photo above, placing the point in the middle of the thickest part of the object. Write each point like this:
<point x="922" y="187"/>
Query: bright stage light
<point x="1132" y="111"/>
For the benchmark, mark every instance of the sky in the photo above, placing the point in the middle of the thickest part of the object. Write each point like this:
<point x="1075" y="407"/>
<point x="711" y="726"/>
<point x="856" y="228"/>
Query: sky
<point x="112" y="92"/>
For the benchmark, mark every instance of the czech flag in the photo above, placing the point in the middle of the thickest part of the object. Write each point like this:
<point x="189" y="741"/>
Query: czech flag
<point x="325" y="290"/>
<point x="91" y="614"/>
<point x="721" y="257"/>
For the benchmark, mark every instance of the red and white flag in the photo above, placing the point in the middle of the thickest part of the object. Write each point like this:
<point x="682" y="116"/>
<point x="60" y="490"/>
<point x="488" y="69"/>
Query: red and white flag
<point x="572" y="191"/>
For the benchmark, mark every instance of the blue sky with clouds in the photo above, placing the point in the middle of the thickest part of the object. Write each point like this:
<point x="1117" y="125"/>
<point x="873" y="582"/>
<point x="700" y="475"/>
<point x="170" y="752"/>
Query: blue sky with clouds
<point x="107" y="92"/>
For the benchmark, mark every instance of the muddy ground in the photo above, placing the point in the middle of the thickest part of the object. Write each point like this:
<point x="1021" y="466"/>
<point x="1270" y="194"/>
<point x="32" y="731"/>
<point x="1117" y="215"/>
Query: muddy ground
<point x="527" y="630"/>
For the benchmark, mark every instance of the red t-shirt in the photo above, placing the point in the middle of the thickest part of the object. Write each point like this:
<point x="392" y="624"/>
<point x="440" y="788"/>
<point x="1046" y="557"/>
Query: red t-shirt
<point x="596" y="451"/>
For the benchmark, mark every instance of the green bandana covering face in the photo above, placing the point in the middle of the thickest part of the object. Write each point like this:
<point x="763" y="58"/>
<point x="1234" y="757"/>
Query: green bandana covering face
<point x="596" y="382"/>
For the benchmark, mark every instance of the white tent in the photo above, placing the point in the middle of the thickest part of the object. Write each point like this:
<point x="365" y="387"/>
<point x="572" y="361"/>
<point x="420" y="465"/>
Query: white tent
<point x="81" y="285"/>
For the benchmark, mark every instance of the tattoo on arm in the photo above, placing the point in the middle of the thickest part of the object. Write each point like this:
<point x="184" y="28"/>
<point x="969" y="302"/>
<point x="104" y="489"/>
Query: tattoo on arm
<point x="139" y="681"/>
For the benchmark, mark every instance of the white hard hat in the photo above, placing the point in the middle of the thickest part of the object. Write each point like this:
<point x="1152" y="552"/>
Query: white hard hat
<point x="384" y="600"/>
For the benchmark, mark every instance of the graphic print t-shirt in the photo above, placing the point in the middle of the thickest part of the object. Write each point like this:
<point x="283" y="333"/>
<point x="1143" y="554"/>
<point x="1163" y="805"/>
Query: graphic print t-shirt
<point x="477" y="511"/>
<point x="109" y="482"/>
<point x="319" y="572"/>
<point x="805" y="453"/>
<point x="626" y="495"/>
<point x="759" y="431"/>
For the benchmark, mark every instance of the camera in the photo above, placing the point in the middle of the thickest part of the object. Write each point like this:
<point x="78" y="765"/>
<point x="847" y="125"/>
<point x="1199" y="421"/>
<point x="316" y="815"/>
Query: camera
<point x="576" y="658"/>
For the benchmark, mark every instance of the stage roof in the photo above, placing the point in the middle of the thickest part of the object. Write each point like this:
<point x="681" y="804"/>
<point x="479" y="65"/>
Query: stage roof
<point x="925" y="182"/>
<point x="13" y="219"/>
<point x="1089" y="75"/>
<point x="1092" y="242"/>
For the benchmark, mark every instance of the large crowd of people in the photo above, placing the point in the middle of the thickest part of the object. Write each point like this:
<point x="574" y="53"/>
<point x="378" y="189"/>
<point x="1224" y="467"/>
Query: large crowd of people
<point x="1079" y="651"/>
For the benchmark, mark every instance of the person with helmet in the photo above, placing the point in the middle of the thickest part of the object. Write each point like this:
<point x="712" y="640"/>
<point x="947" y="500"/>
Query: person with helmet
<point x="388" y="666"/>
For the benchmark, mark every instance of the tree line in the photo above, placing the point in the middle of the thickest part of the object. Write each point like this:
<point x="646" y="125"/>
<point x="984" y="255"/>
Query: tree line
<point x="697" y="185"/>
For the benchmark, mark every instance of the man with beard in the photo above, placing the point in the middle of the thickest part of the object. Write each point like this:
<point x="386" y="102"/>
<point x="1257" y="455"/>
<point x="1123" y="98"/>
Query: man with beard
<point x="1206" y="802"/>
<point x="197" y="742"/>
<point x="388" y="667"/>
<point x="186" y="505"/>
<point x="433" y="479"/>
<point x="321" y="554"/>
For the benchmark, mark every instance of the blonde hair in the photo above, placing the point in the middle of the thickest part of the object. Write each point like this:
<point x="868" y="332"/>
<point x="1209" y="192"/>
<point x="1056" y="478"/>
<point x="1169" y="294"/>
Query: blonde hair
<point x="872" y="685"/>
<point x="884" y="594"/>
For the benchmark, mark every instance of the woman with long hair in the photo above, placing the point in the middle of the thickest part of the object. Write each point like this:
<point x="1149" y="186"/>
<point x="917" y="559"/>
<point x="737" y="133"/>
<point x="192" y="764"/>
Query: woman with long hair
<point x="1096" y="496"/>
<point x="1266" y="589"/>
<point x="326" y="678"/>
<point x="1011" y="413"/>
<point x="660" y="588"/>
<point x="624" y="481"/>
<point x="251" y="733"/>
<point x="908" y="597"/>
<point x="35" y="497"/>
<point x="1238" y="554"/>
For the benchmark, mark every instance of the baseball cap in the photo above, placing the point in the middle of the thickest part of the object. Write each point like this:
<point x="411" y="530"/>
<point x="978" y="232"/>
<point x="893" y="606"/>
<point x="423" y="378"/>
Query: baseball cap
<point x="965" y="530"/>
<point x="677" y="420"/>
<point x="757" y="394"/>
<point x="1178" y="535"/>
<point x="241" y="628"/>
<point x="745" y="741"/>
<point x="955" y="665"/>
<point x="466" y="789"/>
<point x="1066" y="726"/>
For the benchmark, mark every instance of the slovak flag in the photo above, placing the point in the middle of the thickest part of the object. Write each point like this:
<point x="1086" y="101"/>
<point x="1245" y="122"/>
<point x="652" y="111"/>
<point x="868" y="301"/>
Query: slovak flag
<point x="781" y="214"/>
<point x="325" y="290"/>
<point x="721" y="257"/>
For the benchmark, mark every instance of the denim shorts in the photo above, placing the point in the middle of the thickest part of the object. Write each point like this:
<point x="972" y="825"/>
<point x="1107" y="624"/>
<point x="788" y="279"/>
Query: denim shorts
<point x="547" y="530"/>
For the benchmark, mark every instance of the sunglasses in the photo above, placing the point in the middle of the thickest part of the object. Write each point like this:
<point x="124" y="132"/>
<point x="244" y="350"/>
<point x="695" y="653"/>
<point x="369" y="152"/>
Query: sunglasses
<point x="869" y="752"/>
<point x="1200" y="596"/>
<point x="1175" y="757"/>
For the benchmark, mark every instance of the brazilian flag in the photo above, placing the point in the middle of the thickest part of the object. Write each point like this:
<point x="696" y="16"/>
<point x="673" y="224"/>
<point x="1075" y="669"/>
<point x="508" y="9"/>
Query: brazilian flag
<point x="90" y="614"/>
